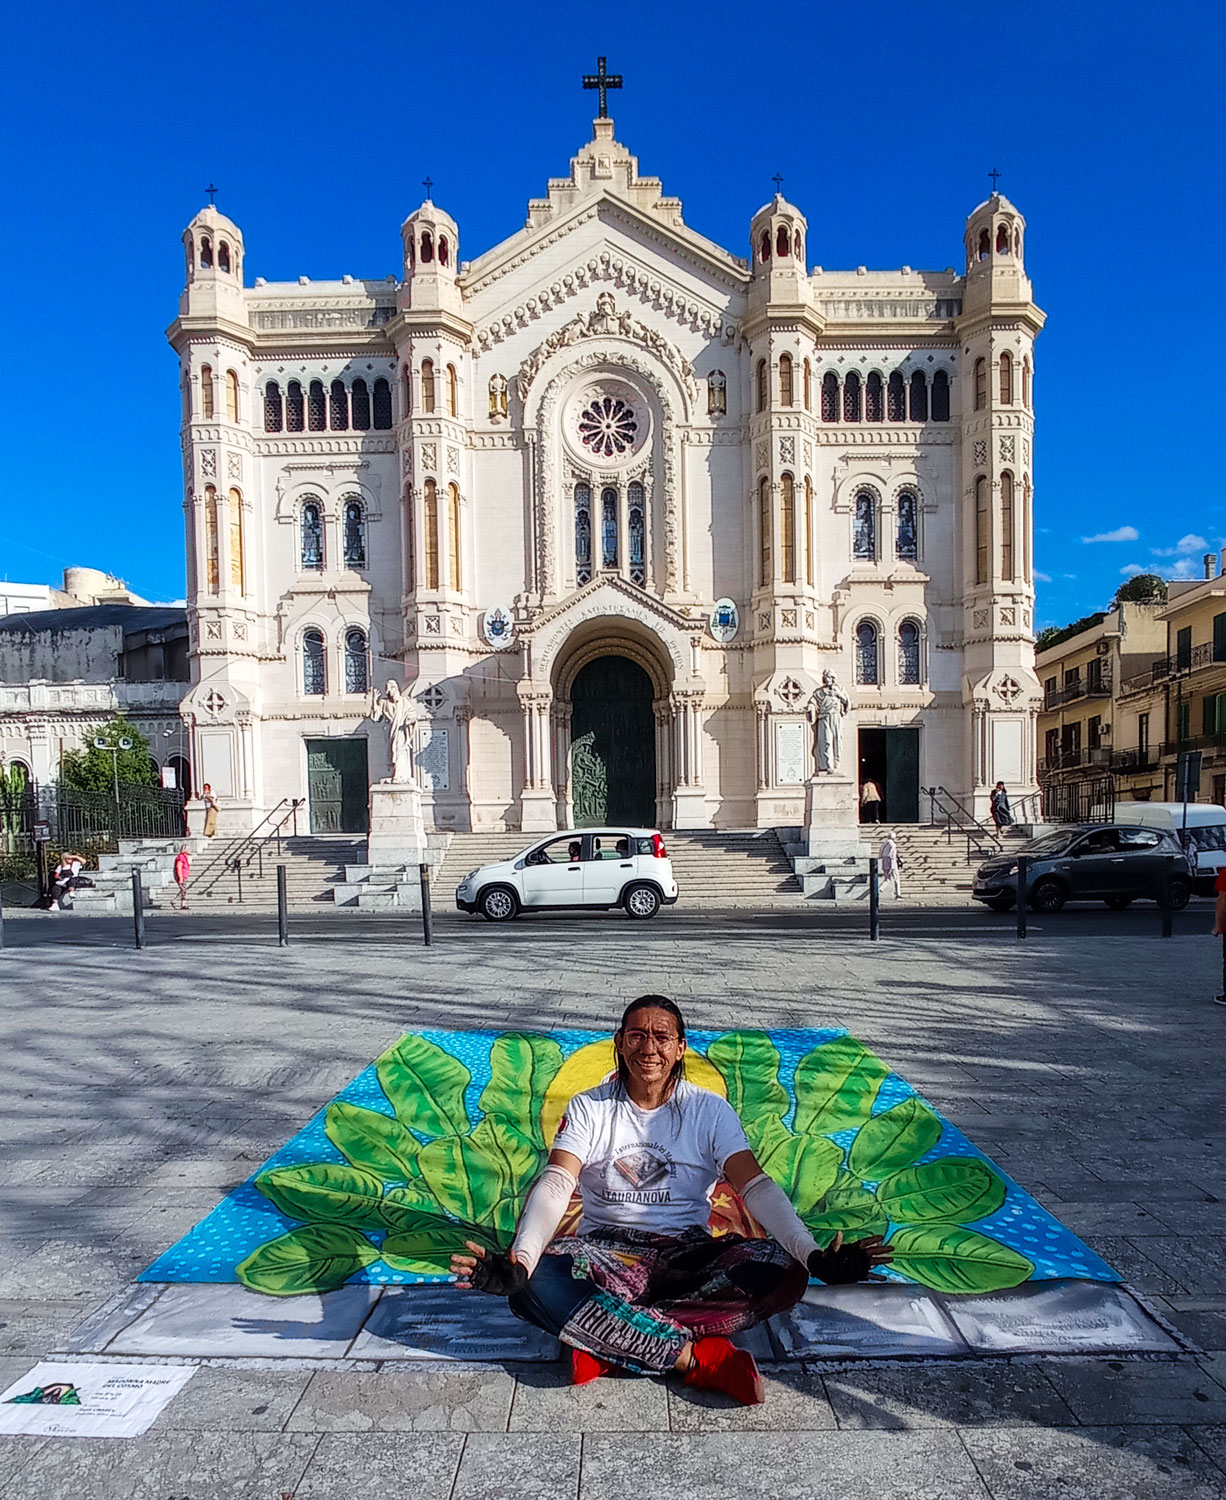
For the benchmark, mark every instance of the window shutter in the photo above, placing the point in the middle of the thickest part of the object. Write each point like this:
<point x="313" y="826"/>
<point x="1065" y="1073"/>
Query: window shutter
<point x="1219" y="637"/>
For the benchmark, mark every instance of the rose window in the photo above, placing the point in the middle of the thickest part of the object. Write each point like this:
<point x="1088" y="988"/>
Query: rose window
<point x="608" y="426"/>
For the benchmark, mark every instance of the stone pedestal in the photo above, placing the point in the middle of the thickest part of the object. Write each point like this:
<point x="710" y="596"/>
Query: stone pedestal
<point x="832" y="818"/>
<point x="397" y="829"/>
<point x="690" y="808"/>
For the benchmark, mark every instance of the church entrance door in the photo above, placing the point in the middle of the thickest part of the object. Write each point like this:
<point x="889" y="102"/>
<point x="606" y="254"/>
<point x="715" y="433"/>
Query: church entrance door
<point x="890" y="757"/>
<point x="337" y="786"/>
<point x="613" y="744"/>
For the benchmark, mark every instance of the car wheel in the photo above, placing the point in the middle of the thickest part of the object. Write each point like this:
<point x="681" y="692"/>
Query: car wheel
<point x="1175" y="897"/>
<point x="1001" y="903"/>
<point x="641" y="902"/>
<point x="1048" y="896"/>
<point x="1117" y="903"/>
<point x="498" y="904"/>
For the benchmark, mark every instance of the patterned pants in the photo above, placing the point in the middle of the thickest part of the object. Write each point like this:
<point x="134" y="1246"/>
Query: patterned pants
<point x="634" y="1299"/>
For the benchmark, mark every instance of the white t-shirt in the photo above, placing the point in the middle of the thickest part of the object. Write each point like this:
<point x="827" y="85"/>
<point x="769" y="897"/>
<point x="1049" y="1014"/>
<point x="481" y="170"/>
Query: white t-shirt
<point x="652" y="1169"/>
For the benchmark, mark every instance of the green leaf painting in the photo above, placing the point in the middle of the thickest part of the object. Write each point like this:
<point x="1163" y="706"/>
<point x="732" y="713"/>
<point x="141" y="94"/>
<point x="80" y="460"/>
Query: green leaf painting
<point x="893" y="1140"/>
<point x="804" y="1166"/>
<point x="749" y="1062"/>
<point x="313" y="1258"/>
<point x="323" y="1190"/>
<point x="850" y="1207"/>
<point x="427" y="1250"/>
<point x="425" y="1086"/>
<point x="372" y="1140"/>
<point x="950" y="1259"/>
<point x="521" y="1069"/>
<point x="836" y="1085"/>
<point x="956" y="1187"/>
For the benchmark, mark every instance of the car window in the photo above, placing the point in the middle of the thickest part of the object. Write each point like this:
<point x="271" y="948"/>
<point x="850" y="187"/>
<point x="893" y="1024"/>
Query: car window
<point x="1049" y="844"/>
<point x="1101" y="841"/>
<point x="613" y="846"/>
<point x="642" y="846"/>
<point x="559" y="852"/>
<point x="1208" y="836"/>
<point x="1138" y="838"/>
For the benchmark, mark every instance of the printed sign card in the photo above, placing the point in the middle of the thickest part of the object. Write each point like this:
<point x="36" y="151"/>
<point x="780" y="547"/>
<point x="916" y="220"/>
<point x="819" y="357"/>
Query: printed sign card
<point x="90" y="1400"/>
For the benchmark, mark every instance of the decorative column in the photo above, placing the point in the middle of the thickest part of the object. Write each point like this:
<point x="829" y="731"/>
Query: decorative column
<point x="661" y="711"/>
<point x="561" y="717"/>
<point x="762" y="712"/>
<point x="538" y="804"/>
<point x="690" y="797"/>
<point x="462" y="715"/>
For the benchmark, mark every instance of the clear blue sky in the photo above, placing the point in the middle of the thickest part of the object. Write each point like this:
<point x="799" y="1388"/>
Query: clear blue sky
<point x="318" y="123"/>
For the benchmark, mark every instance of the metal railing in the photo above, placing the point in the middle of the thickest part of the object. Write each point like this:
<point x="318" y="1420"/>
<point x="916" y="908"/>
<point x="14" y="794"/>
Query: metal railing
<point x="1187" y="661"/>
<point x="248" y="849"/>
<point x="1208" y="742"/>
<point x="981" y="841"/>
<point x="1096" y="685"/>
<point x="1143" y="758"/>
<point x="1071" y="760"/>
<point x="1086" y="801"/>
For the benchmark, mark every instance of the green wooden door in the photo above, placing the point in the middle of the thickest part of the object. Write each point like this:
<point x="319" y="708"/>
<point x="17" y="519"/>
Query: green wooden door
<point x="902" y="775"/>
<point x="613" y="745"/>
<point x="337" y="786"/>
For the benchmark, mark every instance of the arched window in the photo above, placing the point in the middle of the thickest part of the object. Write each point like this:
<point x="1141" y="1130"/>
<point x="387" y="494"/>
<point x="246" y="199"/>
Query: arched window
<point x="781" y="240"/>
<point x="406" y="390"/>
<point x="338" y="414"/>
<point x="909" y="653"/>
<point x="864" y="534"/>
<point x="313" y="663"/>
<point x="764" y="527"/>
<point x="206" y="392"/>
<point x="1027" y="532"/>
<point x="808" y="529"/>
<point x="919" y="396"/>
<point x="1006" y="526"/>
<point x="294" y="409"/>
<point x="312" y="536"/>
<point x="798" y="246"/>
<point x="940" y="397"/>
<point x="238" y="571"/>
<point x="272" y="407"/>
<point x="382" y="405"/>
<point x="851" y="397"/>
<point x="1006" y="380"/>
<point x="427" y="247"/>
<point x="223" y="256"/>
<point x="761" y="385"/>
<point x="360" y="400"/>
<point x="410" y="540"/>
<point x="830" y="397"/>
<point x="868" y="666"/>
<point x="636" y="525"/>
<point x="896" y="398"/>
<point x="764" y="246"/>
<point x="907" y="540"/>
<point x="717" y="393"/>
<point x="608" y="528"/>
<point x="985" y="244"/>
<point x="212" y="541"/>
<point x="231" y="396"/>
<point x="1002" y="240"/>
<point x="430" y="510"/>
<point x="453" y="392"/>
<point x="808" y="377"/>
<point x="354" y="534"/>
<point x="444" y="251"/>
<point x="787" y="528"/>
<point x="1026" y="383"/>
<point x="427" y="385"/>
<point x="874" y="398"/>
<point x="981" y="529"/>
<point x="498" y="396"/>
<point x="317" y="407"/>
<point x="357" y="675"/>
<point x="981" y="384"/>
<point x="785" y="380"/>
<point x="454" y="556"/>
<point x="206" y="254"/>
<point x="583" y="533"/>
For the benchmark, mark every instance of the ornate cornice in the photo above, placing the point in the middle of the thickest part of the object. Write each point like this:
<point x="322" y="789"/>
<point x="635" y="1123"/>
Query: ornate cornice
<point x="604" y="321"/>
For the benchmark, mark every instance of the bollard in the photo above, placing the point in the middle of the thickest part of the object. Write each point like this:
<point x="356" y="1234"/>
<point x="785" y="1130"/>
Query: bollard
<point x="1023" y="892"/>
<point x="138" y="908"/>
<point x="238" y="870"/>
<point x="427" y="916"/>
<point x="874" y="900"/>
<point x="1" y="919"/>
<point x="1221" y="999"/>
<point x="282" y="910"/>
<point x="44" y="884"/>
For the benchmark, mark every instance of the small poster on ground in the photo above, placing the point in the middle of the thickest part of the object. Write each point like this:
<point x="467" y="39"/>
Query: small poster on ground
<point x="90" y="1400"/>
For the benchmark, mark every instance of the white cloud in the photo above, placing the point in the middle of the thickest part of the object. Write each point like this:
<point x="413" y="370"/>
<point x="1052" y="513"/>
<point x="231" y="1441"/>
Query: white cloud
<point x="1120" y="534"/>
<point x="1183" y="547"/>
<point x="1129" y="569"/>
<point x="1042" y="577"/>
<point x="1183" y="568"/>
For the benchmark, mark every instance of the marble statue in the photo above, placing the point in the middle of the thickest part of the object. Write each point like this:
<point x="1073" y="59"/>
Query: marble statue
<point x="403" y="714"/>
<point x="825" y="712"/>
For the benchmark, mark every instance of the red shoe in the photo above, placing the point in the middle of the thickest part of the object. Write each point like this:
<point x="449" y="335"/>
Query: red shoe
<point x="720" y="1366"/>
<point x="585" y="1367"/>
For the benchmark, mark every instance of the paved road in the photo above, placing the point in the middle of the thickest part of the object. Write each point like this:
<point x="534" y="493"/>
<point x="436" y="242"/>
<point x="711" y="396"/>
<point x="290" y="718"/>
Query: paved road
<point x="136" y="1088"/>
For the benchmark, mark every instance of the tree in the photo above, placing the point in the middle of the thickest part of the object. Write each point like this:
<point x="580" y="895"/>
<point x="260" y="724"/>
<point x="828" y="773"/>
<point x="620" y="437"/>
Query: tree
<point x="92" y="770"/>
<point x="1142" y="588"/>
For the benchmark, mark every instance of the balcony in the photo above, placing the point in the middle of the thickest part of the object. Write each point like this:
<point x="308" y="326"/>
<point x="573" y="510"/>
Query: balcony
<point x="1075" y="760"/>
<point x="1209" y="744"/>
<point x="1096" y="685"/>
<point x="1130" y="762"/>
<point x="1183" y="662"/>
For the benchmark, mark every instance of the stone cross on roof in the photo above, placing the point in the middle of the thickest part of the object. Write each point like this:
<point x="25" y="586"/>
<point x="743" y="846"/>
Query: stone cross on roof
<point x="602" y="81"/>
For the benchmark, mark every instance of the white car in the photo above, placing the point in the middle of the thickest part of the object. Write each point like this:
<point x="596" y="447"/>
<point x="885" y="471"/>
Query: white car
<point x="600" y="867"/>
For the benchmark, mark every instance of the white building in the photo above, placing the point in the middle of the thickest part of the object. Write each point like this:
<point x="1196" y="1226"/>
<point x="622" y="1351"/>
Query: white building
<point x="530" y="485"/>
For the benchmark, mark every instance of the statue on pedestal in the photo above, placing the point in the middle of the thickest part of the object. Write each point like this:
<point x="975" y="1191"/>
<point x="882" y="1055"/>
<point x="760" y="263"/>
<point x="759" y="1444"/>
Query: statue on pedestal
<point x="403" y="714"/>
<point x="825" y="712"/>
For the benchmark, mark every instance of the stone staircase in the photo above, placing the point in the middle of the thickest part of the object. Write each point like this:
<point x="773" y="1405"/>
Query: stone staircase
<point x="935" y="868"/>
<point x="316" y="866"/>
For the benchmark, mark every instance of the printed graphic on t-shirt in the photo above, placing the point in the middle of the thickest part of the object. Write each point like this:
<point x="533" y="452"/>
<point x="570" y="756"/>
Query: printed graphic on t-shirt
<point x="639" y="1174"/>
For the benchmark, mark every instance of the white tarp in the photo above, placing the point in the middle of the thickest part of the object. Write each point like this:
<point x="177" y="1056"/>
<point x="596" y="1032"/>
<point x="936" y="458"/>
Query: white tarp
<point x="62" y="1399"/>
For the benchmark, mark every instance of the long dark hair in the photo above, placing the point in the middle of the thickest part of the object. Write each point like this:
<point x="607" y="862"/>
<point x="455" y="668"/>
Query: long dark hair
<point x="650" y="1002"/>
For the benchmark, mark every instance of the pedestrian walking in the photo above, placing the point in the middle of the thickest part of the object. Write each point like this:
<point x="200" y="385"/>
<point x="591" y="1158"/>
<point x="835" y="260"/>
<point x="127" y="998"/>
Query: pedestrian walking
<point x="210" y="811"/>
<point x="890" y="864"/>
<point x="1002" y="813"/>
<point x="183" y="872"/>
<point x="870" y="802"/>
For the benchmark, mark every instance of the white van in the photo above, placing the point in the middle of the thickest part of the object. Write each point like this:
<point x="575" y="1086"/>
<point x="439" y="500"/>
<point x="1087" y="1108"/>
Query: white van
<point x="1205" y="837"/>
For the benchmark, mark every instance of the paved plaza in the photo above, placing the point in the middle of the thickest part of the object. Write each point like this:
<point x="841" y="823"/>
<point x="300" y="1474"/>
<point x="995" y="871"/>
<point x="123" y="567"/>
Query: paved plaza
<point x="137" y="1087"/>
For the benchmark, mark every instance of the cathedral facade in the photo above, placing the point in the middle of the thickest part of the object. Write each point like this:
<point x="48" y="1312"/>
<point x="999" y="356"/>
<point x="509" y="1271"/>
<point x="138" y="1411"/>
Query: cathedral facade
<point x="608" y="500"/>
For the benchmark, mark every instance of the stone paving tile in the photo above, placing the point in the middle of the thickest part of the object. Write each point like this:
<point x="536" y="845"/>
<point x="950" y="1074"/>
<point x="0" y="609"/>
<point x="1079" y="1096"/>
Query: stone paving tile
<point x="1141" y="1391"/>
<point x="1133" y="1265"/>
<point x="1149" y="1190"/>
<point x="1205" y="1327"/>
<point x="1094" y="1463"/>
<point x="230" y="1400"/>
<point x="451" y="1399"/>
<point x="221" y="1466"/>
<point x="1126" y="1219"/>
<point x="442" y="1322"/>
<point x="34" y="1327"/>
<point x="781" y="1466"/>
<point x="349" y="1466"/>
<point x="963" y="1395"/>
<point x="93" y="1333"/>
<point x="1198" y="1264"/>
<point x="15" y="1454"/>
<point x="1191" y="1217"/>
<point x="500" y="1467"/>
<point x="61" y="1272"/>
<point x="795" y="1402"/>
<point x="545" y="1401"/>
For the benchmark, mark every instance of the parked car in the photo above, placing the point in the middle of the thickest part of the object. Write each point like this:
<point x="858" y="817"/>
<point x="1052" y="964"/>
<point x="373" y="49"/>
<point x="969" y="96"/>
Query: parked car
<point x="597" y="867"/>
<point x="1199" y="826"/>
<point x="1114" y="863"/>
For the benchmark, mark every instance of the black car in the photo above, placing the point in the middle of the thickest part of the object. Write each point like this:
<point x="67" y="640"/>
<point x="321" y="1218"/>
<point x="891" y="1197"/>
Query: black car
<point x="1114" y="863"/>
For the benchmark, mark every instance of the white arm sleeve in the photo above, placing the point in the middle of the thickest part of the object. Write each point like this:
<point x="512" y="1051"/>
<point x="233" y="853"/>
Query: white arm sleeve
<point x="541" y="1216"/>
<point x="772" y="1208"/>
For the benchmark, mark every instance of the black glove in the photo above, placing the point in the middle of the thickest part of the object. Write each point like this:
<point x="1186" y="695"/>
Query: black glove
<point x="850" y="1262"/>
<point x="499" y="1275"/>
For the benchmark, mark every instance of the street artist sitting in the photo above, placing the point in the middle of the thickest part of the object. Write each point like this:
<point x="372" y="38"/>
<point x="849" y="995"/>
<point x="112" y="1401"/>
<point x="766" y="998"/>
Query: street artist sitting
<point x="643" y="1284"/>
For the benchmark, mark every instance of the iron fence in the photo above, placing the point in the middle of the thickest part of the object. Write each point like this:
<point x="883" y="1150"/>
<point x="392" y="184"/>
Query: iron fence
<point x="91" y="822"/>
<point x="1086" y="801"/>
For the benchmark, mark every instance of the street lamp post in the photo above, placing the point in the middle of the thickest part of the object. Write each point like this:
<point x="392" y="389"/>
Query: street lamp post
<point x="123" y="744"/>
